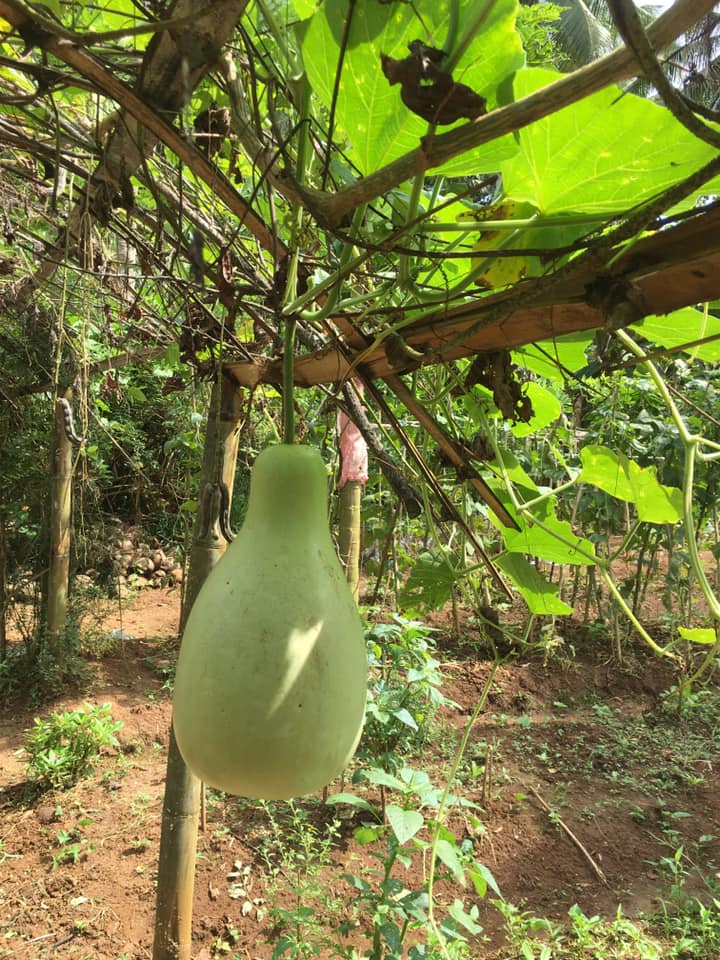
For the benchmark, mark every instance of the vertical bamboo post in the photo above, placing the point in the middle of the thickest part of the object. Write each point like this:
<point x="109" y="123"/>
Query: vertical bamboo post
<point x="181" y="806"/>
<point x="60" y="521"/>
<point x="349" y="533"/>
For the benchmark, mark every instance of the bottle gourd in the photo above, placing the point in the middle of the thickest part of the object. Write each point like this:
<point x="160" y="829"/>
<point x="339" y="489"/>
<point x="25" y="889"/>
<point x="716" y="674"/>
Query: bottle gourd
<point x="272" y="675"/>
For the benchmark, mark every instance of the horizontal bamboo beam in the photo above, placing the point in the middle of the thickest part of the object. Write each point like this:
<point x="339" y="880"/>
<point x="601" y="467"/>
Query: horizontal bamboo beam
<point x="674" y="268"/>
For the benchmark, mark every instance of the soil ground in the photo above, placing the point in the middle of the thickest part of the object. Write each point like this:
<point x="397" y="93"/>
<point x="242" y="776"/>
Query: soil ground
<point x="570" y="746"/>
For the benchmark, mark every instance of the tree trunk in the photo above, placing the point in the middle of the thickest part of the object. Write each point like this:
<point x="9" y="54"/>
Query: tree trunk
<point x="349" y="534"/>
<point x="181" y="806"/>
<point x="60" y="520"/>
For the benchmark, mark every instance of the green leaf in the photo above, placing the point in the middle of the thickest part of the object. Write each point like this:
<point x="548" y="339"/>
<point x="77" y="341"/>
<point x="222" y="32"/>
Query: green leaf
<point x="404" y="716"/>
<point x="626" y="480"/>
<point x="605" y="153"/>
<point x="352" y="800"/>
<point x="447" y="852"/>
<point x="392" y="937"/>
<point x="357" y="882"/>
<point x="482" y="878"/>
<point x="382" y="778"/>
<point x="54" y="7"/>
<point x="540" y="596"/>
<point x="685" y="326"/>
<point x="136" y="393"/>
<point x="546" y="407"/>
<point x="429" y="585"/>
<point x="706" y="635"/>
<point x="551" y="358"/>
<point x="371" y="114"/>
<point x="405" y="823"/>
<point x="172" y="354"/>
<point x="554" y="541"/>
<point x="467" y="920"/>
<point x="524" y="485"/>
<point x="304" y="8"/>
<point x="366" y="835"/>
<point x="607" y="470"/>
<point x="415" y="904"/>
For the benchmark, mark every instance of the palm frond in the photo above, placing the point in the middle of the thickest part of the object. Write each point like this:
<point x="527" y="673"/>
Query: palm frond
<point x="582" y="34"/>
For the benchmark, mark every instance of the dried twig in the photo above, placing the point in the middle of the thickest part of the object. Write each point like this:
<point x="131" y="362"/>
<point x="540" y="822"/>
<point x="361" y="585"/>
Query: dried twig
<point x="583" y="850"/>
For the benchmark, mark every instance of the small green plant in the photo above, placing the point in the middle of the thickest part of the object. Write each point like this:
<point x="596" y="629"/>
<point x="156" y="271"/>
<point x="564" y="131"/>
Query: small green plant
<point x="690" y="922"/>
<point x="140" y="844"/>
<point x="404" y="693"/>
<point x="584" y="938"/>
<point x="389" y="913"/>
<point x="72" y="846"/>
<point x="63" y="749"/>
<point x="295" y="852"/>
<point x="43" y="669"/>
<point x="223" y="945"/>
<point x="692" y="929"/>
<point x="4" y="855"/>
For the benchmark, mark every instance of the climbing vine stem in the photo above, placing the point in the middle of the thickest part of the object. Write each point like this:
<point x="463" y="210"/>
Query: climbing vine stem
<point x="691" y="445"/>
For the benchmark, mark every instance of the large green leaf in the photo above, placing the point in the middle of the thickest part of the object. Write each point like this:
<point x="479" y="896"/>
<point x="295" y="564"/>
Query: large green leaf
<point x="603" y="154"/>
<point x="540" y="596"/>
<point x="370" y="113"/>
<point x="706" y="635"/>
<point x="304" y="8"/>
<point x="429" y="585"/>
<point x="546" y="409"/>
<point x="542" y="534"/>
<point x="405" y="823"/>
<point x="553" y="541"/>
<point x="554" y="358"/>
<point x="685" y="326"/>
<point x="626" y="480"/>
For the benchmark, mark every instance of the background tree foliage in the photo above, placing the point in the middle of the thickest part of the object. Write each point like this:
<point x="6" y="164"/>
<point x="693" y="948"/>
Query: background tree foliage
<point x="179" y="182"/>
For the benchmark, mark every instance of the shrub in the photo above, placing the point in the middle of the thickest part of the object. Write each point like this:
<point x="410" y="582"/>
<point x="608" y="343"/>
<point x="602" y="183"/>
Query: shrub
<point x="63" y="749"/>
<point x="404" y="692"/>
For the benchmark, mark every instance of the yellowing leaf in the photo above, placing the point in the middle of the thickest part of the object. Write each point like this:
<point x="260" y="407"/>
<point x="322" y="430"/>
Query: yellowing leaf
<point x="502" y="272"/>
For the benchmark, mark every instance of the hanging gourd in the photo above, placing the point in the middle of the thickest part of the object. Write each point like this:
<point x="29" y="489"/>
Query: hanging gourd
<point x="271" y="679"/>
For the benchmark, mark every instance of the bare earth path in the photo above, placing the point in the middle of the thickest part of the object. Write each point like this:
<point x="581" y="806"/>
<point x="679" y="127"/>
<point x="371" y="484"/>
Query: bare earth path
<point x="593" y="743"/>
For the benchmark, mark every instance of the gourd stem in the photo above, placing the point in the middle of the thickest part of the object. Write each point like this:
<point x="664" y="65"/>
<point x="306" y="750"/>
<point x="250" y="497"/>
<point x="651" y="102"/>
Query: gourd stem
<point x="475" y="17"/>
<point x="453" y="24"/>
<point x="288" y="385"/>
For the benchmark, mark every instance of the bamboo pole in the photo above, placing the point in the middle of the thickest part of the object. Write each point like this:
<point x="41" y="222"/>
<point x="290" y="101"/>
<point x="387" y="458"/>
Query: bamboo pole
<point x="60" y="521"/>
<point x="349" y="533"/>
<point x="181" y="806"/>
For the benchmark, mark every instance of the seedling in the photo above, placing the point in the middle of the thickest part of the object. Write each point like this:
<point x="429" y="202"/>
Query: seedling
<point x="140" y="845"/>
<point x="73" y="847"/>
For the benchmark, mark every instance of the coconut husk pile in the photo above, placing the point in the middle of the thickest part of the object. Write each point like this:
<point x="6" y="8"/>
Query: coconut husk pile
<point x="137" y="564"/>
